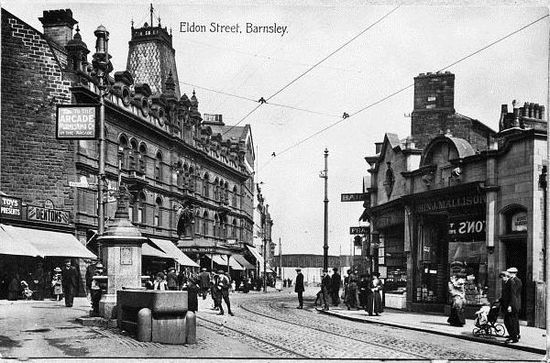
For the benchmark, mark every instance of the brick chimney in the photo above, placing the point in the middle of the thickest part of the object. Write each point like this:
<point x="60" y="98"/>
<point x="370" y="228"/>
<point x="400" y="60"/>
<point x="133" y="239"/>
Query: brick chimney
<point x="58" y="25"/>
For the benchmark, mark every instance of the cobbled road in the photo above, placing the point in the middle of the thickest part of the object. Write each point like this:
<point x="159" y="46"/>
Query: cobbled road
<point x="265" y="327"/>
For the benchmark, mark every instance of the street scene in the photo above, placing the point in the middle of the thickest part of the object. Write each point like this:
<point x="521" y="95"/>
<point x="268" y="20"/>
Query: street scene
<point x="275" y="181"/>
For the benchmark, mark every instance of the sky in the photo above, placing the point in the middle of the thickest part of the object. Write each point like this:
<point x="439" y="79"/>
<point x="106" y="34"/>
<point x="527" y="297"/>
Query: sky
<point x="405" y="41"/>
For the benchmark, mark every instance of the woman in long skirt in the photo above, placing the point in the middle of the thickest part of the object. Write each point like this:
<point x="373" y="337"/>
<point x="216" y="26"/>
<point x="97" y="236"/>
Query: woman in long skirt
<point x="375" y="299"/>
<point x="456" y="289"/>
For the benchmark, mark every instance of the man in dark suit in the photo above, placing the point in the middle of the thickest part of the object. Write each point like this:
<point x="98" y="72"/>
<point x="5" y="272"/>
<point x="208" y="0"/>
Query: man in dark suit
<point x="69" y="280"/>
<point x="335" y="288"/>
<point x="299" y="288"/>
<point x="511" y="303"/>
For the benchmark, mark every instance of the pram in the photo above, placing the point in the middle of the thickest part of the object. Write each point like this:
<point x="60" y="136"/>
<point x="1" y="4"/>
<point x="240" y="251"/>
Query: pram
<point x="486" y="321"/>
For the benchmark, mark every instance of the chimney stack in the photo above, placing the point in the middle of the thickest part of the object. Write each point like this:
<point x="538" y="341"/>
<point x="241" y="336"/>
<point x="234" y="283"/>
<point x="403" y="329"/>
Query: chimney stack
<point x="58" y="25"/>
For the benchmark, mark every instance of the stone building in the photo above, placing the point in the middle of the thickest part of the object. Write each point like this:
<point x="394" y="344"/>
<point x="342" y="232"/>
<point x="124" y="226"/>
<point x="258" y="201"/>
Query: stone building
<point x="456" y="196"/>
<point x="190" y="176"/>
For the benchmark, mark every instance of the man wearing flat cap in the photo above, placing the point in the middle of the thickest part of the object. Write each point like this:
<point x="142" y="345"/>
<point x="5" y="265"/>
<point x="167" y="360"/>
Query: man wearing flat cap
<point x="511" y="303"/>
<point x="299" y="288"/>
<point x="223" y="288"/>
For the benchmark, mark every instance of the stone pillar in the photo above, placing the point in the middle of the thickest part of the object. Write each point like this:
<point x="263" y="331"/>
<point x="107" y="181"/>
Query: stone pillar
<point x="121" y="254"/>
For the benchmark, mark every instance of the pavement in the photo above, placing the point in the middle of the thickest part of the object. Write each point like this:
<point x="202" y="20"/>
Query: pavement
<point x="532" y="339"/>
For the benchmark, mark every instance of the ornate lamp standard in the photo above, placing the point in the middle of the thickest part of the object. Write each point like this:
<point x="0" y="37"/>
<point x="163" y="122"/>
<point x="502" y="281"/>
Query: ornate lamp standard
<point x="102" y="66"/>
<point x="324" y="175"/>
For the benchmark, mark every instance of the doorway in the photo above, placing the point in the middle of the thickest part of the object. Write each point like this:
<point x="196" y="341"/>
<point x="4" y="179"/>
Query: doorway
<point x="516" y="256"/>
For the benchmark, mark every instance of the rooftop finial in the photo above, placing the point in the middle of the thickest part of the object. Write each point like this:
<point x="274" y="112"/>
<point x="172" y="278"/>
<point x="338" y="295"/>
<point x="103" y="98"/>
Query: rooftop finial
<point x="151" y="11"/>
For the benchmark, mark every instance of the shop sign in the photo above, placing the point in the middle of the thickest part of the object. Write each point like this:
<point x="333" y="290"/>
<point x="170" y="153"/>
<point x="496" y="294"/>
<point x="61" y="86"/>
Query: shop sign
<point x="76" y="121"/>
<point x="198" y="250"/>
<point x="467" y="230"/>
<point x="10" y="208"/>
<point x="449" y="203"/>
<point x="359" y="230"/>
<point x="354" y="197"/>
<point x="519" y="222"/>
<point x="47" y="215"/>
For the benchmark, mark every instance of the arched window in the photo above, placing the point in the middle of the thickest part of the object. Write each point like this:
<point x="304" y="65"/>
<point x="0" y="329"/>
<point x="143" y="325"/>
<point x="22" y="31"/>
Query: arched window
<point x="158" y="167"/>
<point x="226" y="192"/>
<point x="140" y="208"/>
<point x="234" y="229"/>
<point x="216" y="225"/>
<point x="185" y="175"/>
<point x="157" y="222"/>
<point x="141" y="157"/>
<point x="205" y="224"/>
<point x="197" y="222"/>
<point x="123" y="152"/>
<point x="179" y="175"/>
<point x="192" y="179"/>
<point x="133" y="155"/>
<point x="223" y="223"/>
<point x="206" y="186"/>
<point x="216" y="189"/>
<point x="235" y="196"/>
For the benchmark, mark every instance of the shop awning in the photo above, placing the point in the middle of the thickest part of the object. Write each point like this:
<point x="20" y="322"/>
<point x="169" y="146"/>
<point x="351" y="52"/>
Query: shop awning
<point x="12" y="246"/>
<point x="256" y="254"/>
<point x="218" y="259"/>
<point x="234" y="264"/>
<point x="50" y="243"/>
<point x="173" y="252"/>
<point x="243" y="262"/>
<point x="152" y="251"/>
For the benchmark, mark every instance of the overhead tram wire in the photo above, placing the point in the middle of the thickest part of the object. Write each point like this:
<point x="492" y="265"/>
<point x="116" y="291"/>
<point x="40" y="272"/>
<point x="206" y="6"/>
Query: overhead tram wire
<point x="316" y="65"/>
<point x="405" y="88"/>
<point x="255" y="101"/>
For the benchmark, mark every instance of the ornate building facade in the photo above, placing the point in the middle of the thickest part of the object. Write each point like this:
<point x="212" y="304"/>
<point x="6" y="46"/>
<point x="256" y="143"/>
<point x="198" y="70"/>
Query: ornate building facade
<point x="190" y="176"/>
<point x="458" y="197"/>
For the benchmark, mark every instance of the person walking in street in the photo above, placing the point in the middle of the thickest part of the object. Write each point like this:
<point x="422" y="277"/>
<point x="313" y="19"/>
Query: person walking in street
<point x="97" y="287"/>
<point x="511" y="303"/>
<point x="38" y="282"/>
<point x="326" y="284"/>
<point x="336" y="283"/>
<point x="457" y="292"/>
<point x="56" y="284"/>
<point x="223" y="287"/>
<point x="375" y="297"/>
<point x="69" y="280"/>
<point x="204" y="282"/>
<point x="172" y="279"/>
<point x="214" y="291"/>
<point x="351" y="296"/>
<point x="365" y="292"/>
<point x="299" y="288"/>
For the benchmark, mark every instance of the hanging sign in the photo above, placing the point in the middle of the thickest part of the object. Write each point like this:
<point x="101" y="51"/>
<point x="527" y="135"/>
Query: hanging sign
<point x="10" y="207"/>
<point x="76" y="121"/>
<point x="354" y="197"/>
<point x="359" y="230"/>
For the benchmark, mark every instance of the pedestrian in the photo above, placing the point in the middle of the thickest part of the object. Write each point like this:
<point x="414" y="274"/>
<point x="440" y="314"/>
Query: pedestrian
<point x="352" y="290"/>
<point x="365" y="292"/>
<point x="38" y="282"/>
<point x="299" y="288"/>
<point x="14" y="287"/>
<point x="214" y="291"/>
<point x="375" y="303"/>
<point x="172" y="279"/>
<point x="223" y="287"/>
<point x="510" y="303"/>
<point x="336" y="283"/>
<point x="192" y="287"/>
<point x="326" y="285"/>
<point x="97" y="288"/>
<point x="457" y="292"/>
<point x="56" y="283"/>
<point x="204" y="282"/>
<point x="160" y="282"/>
<point x="69" y="280"/>
<point x="90" y="273"/>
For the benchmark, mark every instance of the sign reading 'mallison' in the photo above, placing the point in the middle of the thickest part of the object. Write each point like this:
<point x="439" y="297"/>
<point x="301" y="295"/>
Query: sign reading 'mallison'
<point x="448" y="203"/>
<point x="76" y="121"/>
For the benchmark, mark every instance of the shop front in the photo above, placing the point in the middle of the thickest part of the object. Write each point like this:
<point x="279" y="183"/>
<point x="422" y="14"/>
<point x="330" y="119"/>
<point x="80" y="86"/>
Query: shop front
<point x="449" y="233"/>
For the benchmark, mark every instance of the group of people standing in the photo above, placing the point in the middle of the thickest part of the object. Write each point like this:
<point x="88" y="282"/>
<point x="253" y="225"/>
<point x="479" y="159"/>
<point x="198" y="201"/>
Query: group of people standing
<point x="218" y="284"/>
<point x="364" y="293"/>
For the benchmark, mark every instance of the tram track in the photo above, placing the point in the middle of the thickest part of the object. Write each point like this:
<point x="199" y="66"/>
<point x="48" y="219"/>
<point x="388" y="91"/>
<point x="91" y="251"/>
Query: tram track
<point x="215" y="326"/>
<point x="349" y="333"/>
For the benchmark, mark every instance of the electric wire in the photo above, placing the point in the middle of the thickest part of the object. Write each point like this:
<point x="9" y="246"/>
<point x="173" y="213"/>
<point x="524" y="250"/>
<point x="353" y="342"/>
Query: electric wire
<point x="406" y="87"/>
<point x="315" y="66"/>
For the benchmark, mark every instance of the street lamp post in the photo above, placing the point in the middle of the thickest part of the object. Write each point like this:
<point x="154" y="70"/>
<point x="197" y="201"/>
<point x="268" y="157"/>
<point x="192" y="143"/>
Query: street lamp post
<point x="324" y="175"/>
<point x="547" y="232"/>
<point x="102" y="66"/>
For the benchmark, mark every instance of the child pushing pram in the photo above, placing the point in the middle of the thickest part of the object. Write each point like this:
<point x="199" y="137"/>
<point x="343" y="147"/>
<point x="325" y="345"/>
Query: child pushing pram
<point x="486" y="321"/>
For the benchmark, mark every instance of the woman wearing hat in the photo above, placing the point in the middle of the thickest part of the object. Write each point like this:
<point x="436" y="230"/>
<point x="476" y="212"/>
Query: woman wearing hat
<point x="458" y="295"/>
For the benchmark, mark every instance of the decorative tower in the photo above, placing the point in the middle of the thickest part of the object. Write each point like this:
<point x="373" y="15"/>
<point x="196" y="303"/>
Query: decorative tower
<point x="151" y="57"/>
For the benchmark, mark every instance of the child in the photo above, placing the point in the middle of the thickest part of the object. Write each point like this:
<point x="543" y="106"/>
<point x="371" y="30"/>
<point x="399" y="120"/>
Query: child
<point x="56" y="284"/>
<point x="27" y="293"/>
